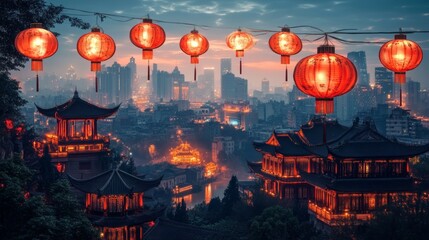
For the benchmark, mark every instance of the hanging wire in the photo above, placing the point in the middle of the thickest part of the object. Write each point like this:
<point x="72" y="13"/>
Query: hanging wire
<point x="323" y="34"/>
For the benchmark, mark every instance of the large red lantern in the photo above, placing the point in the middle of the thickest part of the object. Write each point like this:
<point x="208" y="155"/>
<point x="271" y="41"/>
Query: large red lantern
<point x="194" y="44"/>
<point x="400" y="55"/>
<point x="285" y="43"/>
<point x="147" y="36"/>
<point x="239" y="41"/>
<point x="96" y="47"/>
<point x="36" y="43"/>
<point x="324" y="76"/>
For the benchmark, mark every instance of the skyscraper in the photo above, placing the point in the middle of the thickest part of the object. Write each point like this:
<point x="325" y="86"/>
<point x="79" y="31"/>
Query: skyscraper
<point x="205" y="85"/>
<point x="225" y="66"/>
<point x="413" y="94"/>
<point x="265" y="86"/>
<point x="359" y="60"/>
<point x="115" y="83"/>
<point x="133" y="68"/>
<point x="384" y="84"/>
<point x="233" y="88"/>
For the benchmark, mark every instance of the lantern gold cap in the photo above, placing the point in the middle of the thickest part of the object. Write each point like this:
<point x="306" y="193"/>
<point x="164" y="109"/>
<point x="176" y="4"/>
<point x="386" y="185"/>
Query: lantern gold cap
<point x="95" y="29"/>
<point x="147" y="20"/>
<point x="285" y="29"/>
<point x="326" y="49"/>
<point x="36" y="25"/>
<point x="400" y="36"/>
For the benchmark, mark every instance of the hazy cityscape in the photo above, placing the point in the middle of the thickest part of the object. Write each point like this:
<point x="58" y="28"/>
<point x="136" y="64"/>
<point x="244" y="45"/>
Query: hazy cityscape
<point x="138" y="149"/>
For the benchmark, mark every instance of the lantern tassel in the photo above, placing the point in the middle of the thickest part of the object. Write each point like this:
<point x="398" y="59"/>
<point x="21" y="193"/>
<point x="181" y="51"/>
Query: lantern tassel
<point x="37" y="82"/>
<point x="400" y="95"/>
<point x="240" y="66"/>
<point x="195" y="72"/>
<point x="148" y="70"/>
<point x="286" y="74"/>
<point x="96" y="83"/>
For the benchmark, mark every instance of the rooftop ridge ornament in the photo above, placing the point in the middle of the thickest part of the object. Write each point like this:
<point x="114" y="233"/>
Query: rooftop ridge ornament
<point x="36" y="43"/>
<point x="96" y="47"/>
<point x="324" y="76"/>
<point x="194" y="44"/>
<point x="147" y="36"/>
<point x="285" y="43"/>
<point x="239" y="41"/>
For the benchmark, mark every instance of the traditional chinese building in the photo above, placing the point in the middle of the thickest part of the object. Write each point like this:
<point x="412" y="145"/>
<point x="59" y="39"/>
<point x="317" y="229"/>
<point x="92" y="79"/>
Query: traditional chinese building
<point x="185" y="155"/>
<point x="343" y="171"/>
<point x="77" y="148"/>
<point x="114" y="203"/>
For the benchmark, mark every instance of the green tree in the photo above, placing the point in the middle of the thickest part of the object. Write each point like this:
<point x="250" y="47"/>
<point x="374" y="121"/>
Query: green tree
<point x="275" y="223"/>
<point x="47" y="172"/>
<point x="181" y="214"/>
<point x="231" y="196"/>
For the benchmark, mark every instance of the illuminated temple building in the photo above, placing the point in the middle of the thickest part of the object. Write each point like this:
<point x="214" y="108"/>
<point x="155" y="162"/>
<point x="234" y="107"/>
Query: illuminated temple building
<point x="114" y="203"/>
<point x="77" y="148"/>
<point x="185" y="155"/>
<point x="340" y="172"/>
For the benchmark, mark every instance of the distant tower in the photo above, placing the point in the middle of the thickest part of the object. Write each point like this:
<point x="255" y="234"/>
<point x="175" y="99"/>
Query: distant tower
<point x="225" y="66"/>
<point x="359" y="60"/>
<point x="265" y="86"/>
<point x="384" y="84"/>
<point x="233" y="88"/>
<point x="413" y="94"/>
<point x="133" y="67"/>
<point x="206" y="85"/>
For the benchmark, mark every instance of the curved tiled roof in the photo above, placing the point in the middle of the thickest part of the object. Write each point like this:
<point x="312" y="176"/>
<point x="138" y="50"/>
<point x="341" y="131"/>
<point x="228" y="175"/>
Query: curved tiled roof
<point x="113" y="182"/>
<point x="77" y="108"/>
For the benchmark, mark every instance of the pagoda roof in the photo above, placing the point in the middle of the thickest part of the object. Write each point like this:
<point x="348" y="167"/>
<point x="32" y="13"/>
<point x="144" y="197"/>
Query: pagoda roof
<point x="367" y="185"/>
<point x="113" y="182"/>
<point x="128" y="220"/>
<point x="364" y="141"/>
<point x="357" y="141"/>
<point x="77" y="108"/>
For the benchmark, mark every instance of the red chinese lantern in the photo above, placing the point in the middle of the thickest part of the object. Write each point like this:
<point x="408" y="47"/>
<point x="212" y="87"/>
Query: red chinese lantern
<point x="148" y="36"/>
<point x="194" y="44"/>
<point x="400" y="55"/>
<point x="239" y="41"/>
<point x="9" y="124"/>
<point x="324" y="76"/>
<point x="60" y="167"/>
<point x="96" y="47"/>
<point x="36" y="43"/>
<point x="285" y="43"/>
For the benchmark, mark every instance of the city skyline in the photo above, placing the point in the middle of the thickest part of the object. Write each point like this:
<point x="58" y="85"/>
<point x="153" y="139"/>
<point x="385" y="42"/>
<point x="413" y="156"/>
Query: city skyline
<point x="224" y="17"/>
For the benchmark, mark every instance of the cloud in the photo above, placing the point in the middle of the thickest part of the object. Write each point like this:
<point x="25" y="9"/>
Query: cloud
<point x="397" y="19"/>
<point x="219" y="22"/>
<point x="425" y="14"/>
<point x="338" y="2"/>
<point x="118" y="11"/>
<point x="307" y="6"/>
<point x="68" y="39"/>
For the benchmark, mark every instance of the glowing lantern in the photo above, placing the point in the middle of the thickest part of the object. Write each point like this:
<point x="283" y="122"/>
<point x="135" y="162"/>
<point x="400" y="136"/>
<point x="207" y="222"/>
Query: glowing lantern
<point x="400" y="55"/>
<point x="9" y="124"/>
<point x="324" y="76"/>
<point x="148" y="36"/>
<point x="285" y="43"/>
<point x="60" y="167"/>
<point x="36" y="43"/>
<point x="239" y="41"/>
<point x="96" y="47"/>
<point x="194" y="44"/>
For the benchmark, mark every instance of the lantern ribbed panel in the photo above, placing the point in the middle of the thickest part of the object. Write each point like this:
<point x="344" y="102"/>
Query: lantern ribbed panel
<point x="194" y="44"/>
<point x="325" y="76"/>
<point x="400" y="55"/>
<point x="148" y="36"/>
<point x="36" y="43"/>
<point x="96" y="47"/>
<point x="285" y="43"/>
<point x="239" y="41"/>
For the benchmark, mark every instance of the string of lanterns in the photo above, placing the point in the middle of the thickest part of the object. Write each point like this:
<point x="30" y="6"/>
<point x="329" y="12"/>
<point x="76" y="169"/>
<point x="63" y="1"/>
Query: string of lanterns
<point x="324" y="75"/>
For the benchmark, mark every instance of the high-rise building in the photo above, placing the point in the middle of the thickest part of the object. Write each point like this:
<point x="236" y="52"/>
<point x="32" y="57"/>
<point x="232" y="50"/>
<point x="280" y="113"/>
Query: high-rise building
<point x="233" y="88"/>
<point x="383" y="84"/>
<point x="133" y="68"/>
<point x="169" y="86"/>
<point x="225" y="66"/>
<point x="265" y="86"/>
<point x="205" y="85"/>
<point x="115" y="83"/>
<point x="359" y="60"/>
<point x="413" y="94"/>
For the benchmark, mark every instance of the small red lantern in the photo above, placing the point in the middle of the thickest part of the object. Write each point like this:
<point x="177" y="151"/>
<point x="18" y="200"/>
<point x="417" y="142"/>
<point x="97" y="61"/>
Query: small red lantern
<point x="194" y="44"/>
<point x="239" y="41"/>
<point x="148" y="36"/>
<point x="324" y="76"/>
<point x="60" y="167"/>
<point x="400" y="55"/>
<point x="36" y="43"/>
<point x="96" y="47"/>
<point x="9" y="124"/>
<point x="285" y="43"/>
